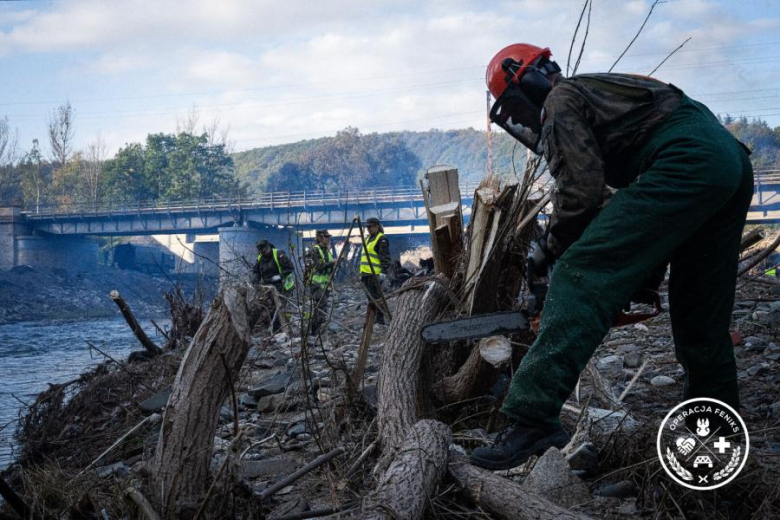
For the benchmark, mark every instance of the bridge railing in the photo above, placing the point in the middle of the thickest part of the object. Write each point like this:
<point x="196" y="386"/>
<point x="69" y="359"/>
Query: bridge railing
<point x="272" y="200"/>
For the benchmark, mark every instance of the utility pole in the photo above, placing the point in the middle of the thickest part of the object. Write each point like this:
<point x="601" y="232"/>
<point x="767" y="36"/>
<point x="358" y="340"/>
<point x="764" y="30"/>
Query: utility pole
<point x="489" y="137"/>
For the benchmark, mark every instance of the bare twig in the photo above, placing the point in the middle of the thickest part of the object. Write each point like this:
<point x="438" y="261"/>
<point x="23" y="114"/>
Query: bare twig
<point x="630" y="385"/>
<point x="574" y="36"/>
<point x="154" y="418"/>
<point x="635" y="36"/>
<point x="311" y="466"/>
<point x="584" y="40"/>
<point x="669" y="56"/>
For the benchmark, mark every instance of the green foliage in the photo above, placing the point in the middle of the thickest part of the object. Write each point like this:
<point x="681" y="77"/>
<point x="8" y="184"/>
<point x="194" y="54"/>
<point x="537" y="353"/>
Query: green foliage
<point x="351" y="160"/>
<point x="170" y="167"/>
<point x="762" y="140"/>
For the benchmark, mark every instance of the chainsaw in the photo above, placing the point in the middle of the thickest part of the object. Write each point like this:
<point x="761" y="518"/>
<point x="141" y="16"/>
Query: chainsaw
<point x="511" y="322"/>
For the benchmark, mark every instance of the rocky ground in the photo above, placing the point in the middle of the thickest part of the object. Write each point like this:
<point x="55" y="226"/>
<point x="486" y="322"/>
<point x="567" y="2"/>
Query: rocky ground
<point x="28" y="293"/>
<point x="614" y="473"/>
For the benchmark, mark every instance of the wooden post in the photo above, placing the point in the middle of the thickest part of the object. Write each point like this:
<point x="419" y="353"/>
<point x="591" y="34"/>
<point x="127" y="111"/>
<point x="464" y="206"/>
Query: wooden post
<point x="445" y="217"/>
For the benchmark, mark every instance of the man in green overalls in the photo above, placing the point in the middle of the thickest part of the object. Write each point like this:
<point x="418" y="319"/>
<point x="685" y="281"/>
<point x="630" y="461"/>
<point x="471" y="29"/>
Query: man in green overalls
<point x="319" y="266"/>
<point x="684" y="189"/>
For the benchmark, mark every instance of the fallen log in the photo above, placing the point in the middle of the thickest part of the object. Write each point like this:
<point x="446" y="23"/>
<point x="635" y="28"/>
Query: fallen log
<point x="183" y="455"/>
<point x="502" y="497"/>
<point x="397" y="390"/>
<point x="759" y="257"/>
<point x="147" y="343"/>
<point x="478" y="373"/>
<point x="754" y="236"/>
<point x="406" y="486"/>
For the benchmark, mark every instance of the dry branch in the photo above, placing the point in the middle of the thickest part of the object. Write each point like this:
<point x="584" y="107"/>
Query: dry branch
<point x="147" y="343"/>
<point x="406" y="486"/>
<point x="761" y="256"/>
<point x="502" y="497"/>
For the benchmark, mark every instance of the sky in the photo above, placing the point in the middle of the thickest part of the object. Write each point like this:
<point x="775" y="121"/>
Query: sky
<point x="276" y="72"/>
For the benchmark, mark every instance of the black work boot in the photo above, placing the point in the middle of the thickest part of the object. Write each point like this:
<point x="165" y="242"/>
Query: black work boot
<point x="515" y="445"/>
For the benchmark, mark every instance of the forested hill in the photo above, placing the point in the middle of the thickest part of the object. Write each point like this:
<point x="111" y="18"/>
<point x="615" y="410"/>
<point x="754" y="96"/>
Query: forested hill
<point x="354" y="160"/>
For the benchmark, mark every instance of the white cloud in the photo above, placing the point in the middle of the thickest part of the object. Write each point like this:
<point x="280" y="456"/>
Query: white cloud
<point x="277" y="69"/>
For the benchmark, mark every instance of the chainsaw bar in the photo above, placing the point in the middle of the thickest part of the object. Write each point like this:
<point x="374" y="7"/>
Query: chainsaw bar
<point x="474" y="327"/>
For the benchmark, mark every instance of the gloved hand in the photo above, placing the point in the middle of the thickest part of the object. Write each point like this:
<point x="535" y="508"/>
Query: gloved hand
<point x="539" y="257"/>
<point x="276" y="278"/>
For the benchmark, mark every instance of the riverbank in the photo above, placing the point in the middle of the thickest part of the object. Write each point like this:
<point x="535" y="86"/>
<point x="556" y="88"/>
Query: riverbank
<point x="31" y="294"/>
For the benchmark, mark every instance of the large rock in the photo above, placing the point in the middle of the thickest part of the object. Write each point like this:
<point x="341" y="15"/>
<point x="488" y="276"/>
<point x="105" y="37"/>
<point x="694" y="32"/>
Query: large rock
<point x="584" y="459"/>
<point x="552" y="478"/>
<point x="602" y="422"/>
<point x="274" y="385"/>
<point x="662" y="381"/>
<point x="157" y="402"/>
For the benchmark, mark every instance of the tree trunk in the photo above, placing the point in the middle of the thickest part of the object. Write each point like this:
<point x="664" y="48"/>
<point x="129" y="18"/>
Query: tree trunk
<point x="502" y="497"/>
<point x="184" y="449"/>
<point x="412" y="477"/>
<point x="478" y="373"/>
<point x="398" y="382"/>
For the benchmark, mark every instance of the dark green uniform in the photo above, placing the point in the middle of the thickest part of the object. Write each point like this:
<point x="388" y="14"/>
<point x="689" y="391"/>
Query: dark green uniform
<point x="319" y="265"/>
<point x="685" y="189"/>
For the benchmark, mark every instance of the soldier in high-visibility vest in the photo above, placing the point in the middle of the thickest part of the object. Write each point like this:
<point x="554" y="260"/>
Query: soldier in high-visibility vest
<point x="273" y="267"/>
<point x="375" y="263"/>
<point x="319" y="267"/>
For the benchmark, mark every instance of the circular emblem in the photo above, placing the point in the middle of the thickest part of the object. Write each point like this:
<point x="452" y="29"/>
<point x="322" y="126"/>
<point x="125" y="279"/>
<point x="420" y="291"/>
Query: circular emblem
<point x="703" y="443"/>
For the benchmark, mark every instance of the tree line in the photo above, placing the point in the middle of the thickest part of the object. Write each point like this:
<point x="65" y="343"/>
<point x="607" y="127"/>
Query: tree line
<point x="196" y="162"/>
<point x="185" y="165"/>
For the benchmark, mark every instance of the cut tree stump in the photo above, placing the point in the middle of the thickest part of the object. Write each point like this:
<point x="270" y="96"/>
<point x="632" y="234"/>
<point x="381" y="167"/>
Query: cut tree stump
<point x="501" y="496"/>
<point x="184" y="448"/>
<point x="398" y="385"/>
<point x="147" y="343"/>
<point x="405" y="488"/>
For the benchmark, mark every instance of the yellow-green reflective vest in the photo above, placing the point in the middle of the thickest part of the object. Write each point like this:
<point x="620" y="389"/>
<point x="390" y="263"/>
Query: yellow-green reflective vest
<point x="322" y="279"/>
<point x="370" y="255"/>
<point x="289" y="281"/>
<point x="771" y="272"/>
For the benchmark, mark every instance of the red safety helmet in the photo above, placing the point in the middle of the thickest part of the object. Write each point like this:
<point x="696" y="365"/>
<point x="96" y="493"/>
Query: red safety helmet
<point x="497" y="77"/>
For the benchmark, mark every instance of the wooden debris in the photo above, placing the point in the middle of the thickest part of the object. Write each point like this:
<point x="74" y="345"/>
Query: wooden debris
<point x="143" y="504"/>
<point x="751" y="238"/>
<point x="311" y="466"/>
<point x="478" y="373"/>
<point x="405" y="488"/>
<point x="365" y="343"/>
<point x="183" y="454"/>
<point x="397" y="388"/>
<point x="757" y="259"/>
<point x="502" y="497"/>
<point x="147" y="343"/>
<point x="445" y="217"/>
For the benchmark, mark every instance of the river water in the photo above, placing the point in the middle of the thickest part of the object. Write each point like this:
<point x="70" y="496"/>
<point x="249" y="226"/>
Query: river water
<point x="33" y="354"/>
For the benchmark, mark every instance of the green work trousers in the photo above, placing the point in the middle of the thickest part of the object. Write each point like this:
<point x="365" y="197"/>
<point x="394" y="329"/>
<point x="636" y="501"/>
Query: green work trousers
<point x="687" y="206"/>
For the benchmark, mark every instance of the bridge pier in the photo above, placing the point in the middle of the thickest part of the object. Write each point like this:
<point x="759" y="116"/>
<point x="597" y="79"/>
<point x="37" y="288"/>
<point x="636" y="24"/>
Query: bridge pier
<point x="238" y="249"/>
<point x="74" y="254"/>
<point x="12" y="225"/>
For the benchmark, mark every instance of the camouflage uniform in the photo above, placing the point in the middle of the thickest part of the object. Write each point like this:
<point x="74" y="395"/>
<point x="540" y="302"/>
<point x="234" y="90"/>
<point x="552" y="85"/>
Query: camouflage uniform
<point x="318" y="264"/>
<point x="684" y="188"/>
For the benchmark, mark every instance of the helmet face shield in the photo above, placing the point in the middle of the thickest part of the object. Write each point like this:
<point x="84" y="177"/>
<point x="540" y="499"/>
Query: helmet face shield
<point x="519" y="117"/>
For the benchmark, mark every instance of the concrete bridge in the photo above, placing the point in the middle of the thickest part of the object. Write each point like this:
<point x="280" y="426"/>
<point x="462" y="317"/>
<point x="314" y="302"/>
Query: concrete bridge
<point x="58" y="236"/>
